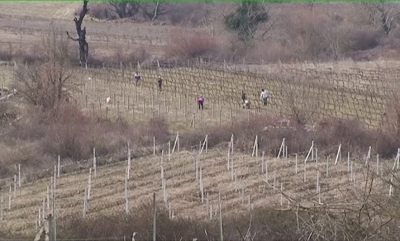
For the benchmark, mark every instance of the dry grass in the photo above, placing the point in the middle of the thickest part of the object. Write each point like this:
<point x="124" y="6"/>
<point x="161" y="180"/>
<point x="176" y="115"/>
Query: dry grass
<point x="336" y="66"/>
<point x="59" y="10"/>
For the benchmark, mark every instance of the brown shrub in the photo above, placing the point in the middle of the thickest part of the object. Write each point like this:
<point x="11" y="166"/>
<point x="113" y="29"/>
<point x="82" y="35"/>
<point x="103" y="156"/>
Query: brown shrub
<point x="73" y="135"/>
<point x="119" y="54"/>
<point x="43" y="135"/>
<point x="184" y="45"/>
<point x="5" y="55"/>
<point x="327" y="135"/>
<point x="186" y="13"/>
<point x="99" y="11"/>
<point x="118" y="225"/>
<point x="363" y="39"/>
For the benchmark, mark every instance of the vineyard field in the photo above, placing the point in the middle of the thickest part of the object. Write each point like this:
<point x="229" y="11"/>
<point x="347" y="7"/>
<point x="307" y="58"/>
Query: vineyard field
<point x="183" y="196"/>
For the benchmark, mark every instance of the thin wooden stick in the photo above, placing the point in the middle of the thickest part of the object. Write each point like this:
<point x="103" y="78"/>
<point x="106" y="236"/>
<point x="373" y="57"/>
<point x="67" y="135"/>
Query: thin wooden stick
<point x="220" y="217"/>
<point x="201" y="185"/>
<point x="368" y="156"/>
<point x="94" y="162"/>
<point x="58" y="166"/>
<point x="154" y="217"/>
<point x="19" y="175"/>
<point x="126" y="192"/>
<point x="338" y="154"/>
<point x="89" y="182"/>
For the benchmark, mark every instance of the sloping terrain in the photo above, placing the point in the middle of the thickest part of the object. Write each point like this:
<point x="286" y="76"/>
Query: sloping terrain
<point x="237" y="188"/>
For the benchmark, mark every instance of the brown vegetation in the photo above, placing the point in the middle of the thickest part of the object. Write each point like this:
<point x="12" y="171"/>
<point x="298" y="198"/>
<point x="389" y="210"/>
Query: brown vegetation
<point x="35" y="134"/>
<point x="185" y="46"/>
<point x="66" y="131"/>
<point x="294" y="32"/>
<point x="260" y="224"/>
<point x="326" y="133"/>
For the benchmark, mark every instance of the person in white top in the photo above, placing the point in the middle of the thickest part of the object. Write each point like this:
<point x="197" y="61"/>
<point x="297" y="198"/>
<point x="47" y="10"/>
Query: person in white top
<point x="264" y="96"/>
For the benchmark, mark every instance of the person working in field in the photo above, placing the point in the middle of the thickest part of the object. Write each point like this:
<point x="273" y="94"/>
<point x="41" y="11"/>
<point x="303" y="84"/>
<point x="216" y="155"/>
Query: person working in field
<point x="200" y="102"/>
<point x="245" y="103"/>
<point x="159" y="83"/>
<point x="264" y="96"/>
<point x="137" y="78"/>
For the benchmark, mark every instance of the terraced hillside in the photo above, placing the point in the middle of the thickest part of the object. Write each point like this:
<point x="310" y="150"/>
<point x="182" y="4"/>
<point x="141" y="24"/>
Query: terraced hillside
<point x="240" y="189"/>
<point x="304" y="94"/>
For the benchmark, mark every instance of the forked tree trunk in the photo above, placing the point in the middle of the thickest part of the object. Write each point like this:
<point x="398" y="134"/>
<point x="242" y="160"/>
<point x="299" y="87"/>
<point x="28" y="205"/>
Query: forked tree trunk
<point x="83" y="45"/>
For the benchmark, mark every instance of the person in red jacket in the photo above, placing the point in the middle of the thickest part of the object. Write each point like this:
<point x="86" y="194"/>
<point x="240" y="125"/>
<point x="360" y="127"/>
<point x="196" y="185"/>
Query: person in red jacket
<point x="200" y="102"/>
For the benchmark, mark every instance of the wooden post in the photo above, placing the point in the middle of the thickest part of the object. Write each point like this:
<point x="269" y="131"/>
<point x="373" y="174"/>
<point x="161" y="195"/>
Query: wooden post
<point x="52" y="225"/>
<point x="281" y="149"/>
<point x="176" y="142"/>
<point x="368" y="156"/>
<point x="201" y="186"/>
<point x="94" y="162"/>
<point x="129" y="162"/>
<point x="154" y="217"/>
<point x="197" y="167"/>
<point x="58" y="166"/>
<point x="229" y="156"/>
<point x="85" y="203"/>
<point x="48" y="198"/>
<point x="220" y="217"/>
<point x="9" y="198"/>
<point x="15" y="186"/>
<point x="43" y="208"/>
<point x="126" y="191"/>
<point x="305" y="172"/>
<point x="317" y="182"/>
<point x="89" y="182"/>
<point x="169" y="151"/>
<point x="266" y="171"/>
<point x="50" y="220"/>
<point x="338" y="154"/>
<point x="19" y="175"/>
<point x="154" y="145"/>
<point x="55" y="178"/>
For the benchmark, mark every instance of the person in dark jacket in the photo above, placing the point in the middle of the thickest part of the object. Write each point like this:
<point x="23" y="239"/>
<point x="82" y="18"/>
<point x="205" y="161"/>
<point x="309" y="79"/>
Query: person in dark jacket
<point x="159" y="83"/>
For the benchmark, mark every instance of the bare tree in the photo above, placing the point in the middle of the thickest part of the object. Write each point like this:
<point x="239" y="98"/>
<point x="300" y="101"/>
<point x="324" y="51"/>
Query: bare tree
<point x="149" y="10"/>
<point x="83" y="44"/>
<point x="124" y="9"/>
<point x="45" y="84"/>
<point x="153" y="10"/>
<point x="301" y="107"/>
<point x="382" y="13"/>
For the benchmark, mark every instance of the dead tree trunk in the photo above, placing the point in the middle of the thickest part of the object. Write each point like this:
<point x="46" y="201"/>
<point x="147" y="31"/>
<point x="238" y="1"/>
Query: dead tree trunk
<point x="83" y="45"/>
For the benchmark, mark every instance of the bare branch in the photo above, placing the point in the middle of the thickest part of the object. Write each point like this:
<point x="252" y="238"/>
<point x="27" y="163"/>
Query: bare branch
<point x="69" y="36"/>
